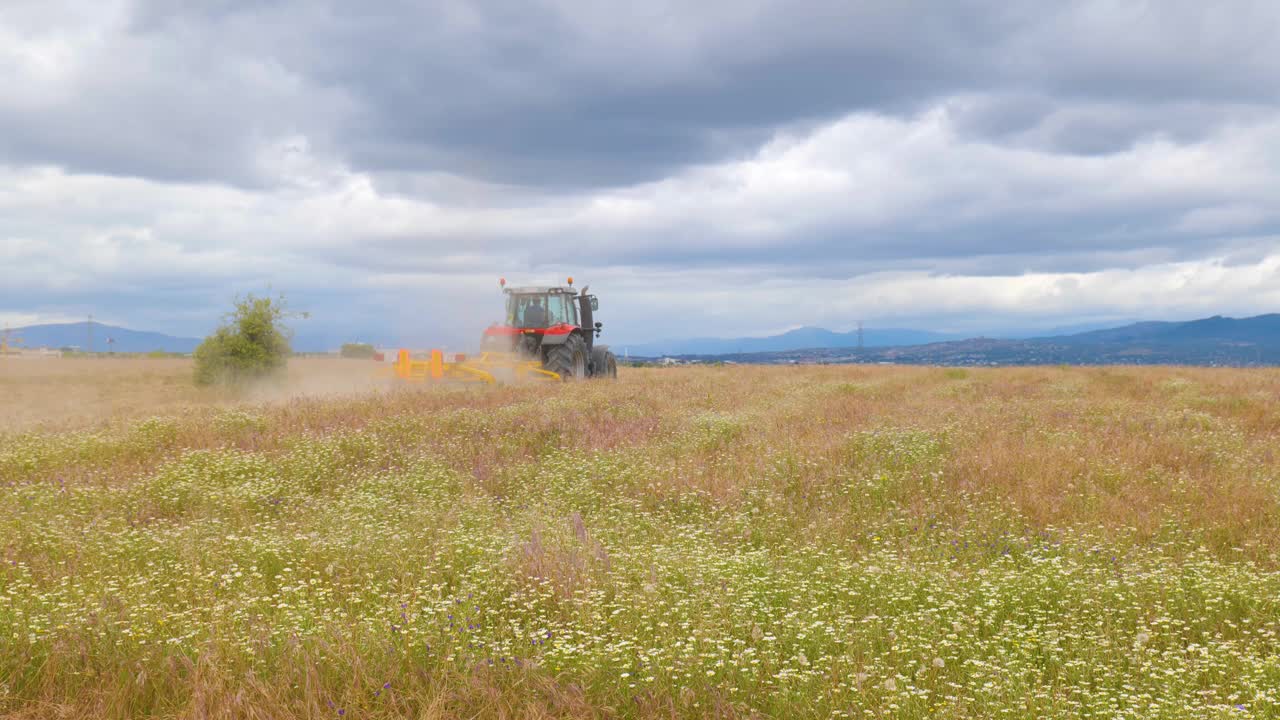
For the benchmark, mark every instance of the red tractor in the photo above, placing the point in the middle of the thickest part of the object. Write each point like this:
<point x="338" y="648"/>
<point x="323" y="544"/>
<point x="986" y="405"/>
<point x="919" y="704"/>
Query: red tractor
<point x="549" y="334"/>
<point x="554" y="326"/>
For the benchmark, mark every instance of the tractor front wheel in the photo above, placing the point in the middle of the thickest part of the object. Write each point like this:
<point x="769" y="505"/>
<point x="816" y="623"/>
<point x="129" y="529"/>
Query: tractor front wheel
<point x="569" y="360"/>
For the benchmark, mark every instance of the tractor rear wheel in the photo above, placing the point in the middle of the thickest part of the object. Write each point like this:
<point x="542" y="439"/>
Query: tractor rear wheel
<point x="569" y="360"/>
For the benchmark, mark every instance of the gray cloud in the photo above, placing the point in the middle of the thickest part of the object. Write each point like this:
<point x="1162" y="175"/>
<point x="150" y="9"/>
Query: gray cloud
<point x="568" y="94"/>
<point x="157" y="158"/>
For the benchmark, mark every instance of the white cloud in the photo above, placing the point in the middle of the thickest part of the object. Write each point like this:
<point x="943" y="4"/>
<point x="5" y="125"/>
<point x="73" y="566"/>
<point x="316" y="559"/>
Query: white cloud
<point x="743" y="304"/>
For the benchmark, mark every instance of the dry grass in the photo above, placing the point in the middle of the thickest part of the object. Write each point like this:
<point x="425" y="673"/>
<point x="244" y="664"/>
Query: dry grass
<point x="74" y="393"/>
<point x="718" y="542"/>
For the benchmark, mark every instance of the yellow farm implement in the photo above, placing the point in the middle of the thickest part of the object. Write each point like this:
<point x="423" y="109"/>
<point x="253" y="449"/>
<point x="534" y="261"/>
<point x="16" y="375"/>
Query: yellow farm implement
<point x="489" y="368"/>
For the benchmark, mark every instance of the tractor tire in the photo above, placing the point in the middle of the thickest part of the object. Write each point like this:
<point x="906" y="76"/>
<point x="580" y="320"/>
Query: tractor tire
<point x="569" y="360"/>
<point x="604" y="366"/>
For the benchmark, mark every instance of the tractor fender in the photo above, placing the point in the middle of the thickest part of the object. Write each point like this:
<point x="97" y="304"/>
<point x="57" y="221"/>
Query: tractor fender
<point x="548" y="340"/>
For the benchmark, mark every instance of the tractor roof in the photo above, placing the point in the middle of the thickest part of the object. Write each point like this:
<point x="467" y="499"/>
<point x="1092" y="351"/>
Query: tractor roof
<point x="541" y="290"/>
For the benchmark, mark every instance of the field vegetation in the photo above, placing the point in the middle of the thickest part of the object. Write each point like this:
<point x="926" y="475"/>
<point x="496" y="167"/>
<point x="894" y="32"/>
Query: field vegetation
<point x="691" y="542"/>
<point x="251" y="345"/>
<point x="97" y="393"/>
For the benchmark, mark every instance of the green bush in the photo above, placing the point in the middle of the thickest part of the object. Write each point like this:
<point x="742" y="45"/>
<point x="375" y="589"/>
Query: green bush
<point x="253" y="343"/>
<point x="363" y="351"/>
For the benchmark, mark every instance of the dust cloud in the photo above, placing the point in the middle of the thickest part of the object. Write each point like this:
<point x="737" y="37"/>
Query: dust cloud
<point x="320" y="378"/>
<point x="56" y="394"/>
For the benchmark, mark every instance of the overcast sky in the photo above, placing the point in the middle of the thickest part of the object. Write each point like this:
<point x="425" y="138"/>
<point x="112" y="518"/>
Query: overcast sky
<point x="710" y="168"/>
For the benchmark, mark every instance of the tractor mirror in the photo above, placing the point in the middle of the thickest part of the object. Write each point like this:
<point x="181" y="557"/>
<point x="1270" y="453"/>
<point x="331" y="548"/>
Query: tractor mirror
<point x="595" y="303"/>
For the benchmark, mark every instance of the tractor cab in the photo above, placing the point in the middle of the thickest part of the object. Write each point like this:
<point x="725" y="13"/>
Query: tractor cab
<point x="539" y="308"/>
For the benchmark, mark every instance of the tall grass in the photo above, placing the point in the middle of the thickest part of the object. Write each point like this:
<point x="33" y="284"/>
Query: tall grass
<point x="727" y="542"/>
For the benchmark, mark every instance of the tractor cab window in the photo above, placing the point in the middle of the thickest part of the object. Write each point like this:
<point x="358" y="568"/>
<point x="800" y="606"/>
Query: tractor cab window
<point x="560" y="310"/>
<point x="539" y="311"/>
<point x="526" y="311"/>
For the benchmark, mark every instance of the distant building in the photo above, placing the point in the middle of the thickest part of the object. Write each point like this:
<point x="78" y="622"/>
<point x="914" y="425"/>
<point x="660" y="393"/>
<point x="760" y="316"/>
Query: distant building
<point x="36" y="353"/>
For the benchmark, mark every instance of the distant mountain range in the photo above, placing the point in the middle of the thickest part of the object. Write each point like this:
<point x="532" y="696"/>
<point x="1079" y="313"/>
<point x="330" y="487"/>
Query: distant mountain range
<point x="816" y="337"/>
<point x="1262" y="331"/>
<point x="80" y="334"/>
<point x="316" y="340"/>
<point x="800" y="338"/>
<point x="1210" y="341"/>
<point x="76" y="335"/>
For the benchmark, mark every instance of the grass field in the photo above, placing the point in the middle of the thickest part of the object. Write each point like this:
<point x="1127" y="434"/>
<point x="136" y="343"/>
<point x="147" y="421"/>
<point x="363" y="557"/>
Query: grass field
<point x="83" y="392"/>
<point x="693" y="542"/>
